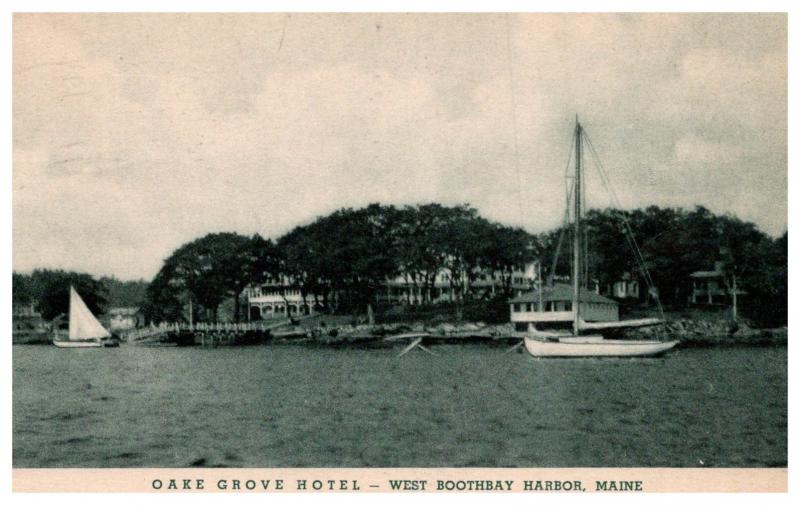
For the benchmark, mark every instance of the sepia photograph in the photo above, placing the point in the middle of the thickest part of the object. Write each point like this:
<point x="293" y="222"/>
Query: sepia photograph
<point x="366" y="241"/>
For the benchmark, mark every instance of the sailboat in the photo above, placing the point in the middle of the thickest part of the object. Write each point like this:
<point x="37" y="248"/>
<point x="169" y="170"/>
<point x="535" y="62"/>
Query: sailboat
<point x="85" y="331"/>
<point x="540" y="344"/>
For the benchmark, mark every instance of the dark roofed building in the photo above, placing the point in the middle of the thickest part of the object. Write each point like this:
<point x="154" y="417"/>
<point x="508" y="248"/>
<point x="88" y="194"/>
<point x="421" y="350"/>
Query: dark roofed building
<point x="556" y="306"/>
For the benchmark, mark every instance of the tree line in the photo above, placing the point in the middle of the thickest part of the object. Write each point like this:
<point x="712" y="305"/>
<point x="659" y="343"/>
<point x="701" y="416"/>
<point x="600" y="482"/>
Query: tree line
<point x="348" y="254"/>
<point x="351" y="253"/>
<point x="675" y="243"/>
<point x="49" y="290"/>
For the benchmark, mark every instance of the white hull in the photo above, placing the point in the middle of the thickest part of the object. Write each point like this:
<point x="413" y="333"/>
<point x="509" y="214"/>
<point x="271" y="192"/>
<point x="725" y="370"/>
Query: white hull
<point x="594" y="346"/>
<point x="77" y="344"/>
<point x="85" y="343"/>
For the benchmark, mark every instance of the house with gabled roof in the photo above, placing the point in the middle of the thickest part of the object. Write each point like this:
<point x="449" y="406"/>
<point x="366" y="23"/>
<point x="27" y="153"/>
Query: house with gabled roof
<point x="553" y="305"/>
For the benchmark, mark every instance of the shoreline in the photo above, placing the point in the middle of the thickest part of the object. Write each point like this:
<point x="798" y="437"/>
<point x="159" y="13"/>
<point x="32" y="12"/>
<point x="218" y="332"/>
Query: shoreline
<point x="690" y="333"/>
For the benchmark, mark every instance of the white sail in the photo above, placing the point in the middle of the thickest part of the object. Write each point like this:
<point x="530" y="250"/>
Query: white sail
<point x="82" y="323"/>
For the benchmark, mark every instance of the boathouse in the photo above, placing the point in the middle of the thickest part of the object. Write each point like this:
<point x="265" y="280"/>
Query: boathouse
<point x="124" y="318"/>
<point x="554" y="305"/>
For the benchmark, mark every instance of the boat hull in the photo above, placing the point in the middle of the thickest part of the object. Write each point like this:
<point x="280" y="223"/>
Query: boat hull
<point x="593" y="346"/>
<point x="89" y="343"/>
<point x="77" y="344"/>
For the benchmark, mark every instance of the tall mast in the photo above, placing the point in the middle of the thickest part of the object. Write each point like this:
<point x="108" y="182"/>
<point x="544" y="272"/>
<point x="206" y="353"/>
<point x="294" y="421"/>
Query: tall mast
<point x="576" y="245"/>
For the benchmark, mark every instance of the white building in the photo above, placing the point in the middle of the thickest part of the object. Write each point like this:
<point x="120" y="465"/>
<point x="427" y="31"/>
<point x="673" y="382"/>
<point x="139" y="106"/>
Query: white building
<point x="281" y="297"/>
<point x="554" y="306"/>
<point x="404" y="290"/>
<point x="627" y="287"/>
<point x="710" y="287"/>
<point x="275" y="298"/>
<point x="124" y="318"/>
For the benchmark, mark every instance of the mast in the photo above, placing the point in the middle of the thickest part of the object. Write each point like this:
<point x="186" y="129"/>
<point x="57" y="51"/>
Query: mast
<point x="539" y="282"/>
<point x="576" y="244"/>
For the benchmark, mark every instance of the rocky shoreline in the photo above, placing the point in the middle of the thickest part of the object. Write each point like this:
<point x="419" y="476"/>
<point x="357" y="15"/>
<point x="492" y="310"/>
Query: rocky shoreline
<point x="714" y="333"/>
<point x="690" y="333"/>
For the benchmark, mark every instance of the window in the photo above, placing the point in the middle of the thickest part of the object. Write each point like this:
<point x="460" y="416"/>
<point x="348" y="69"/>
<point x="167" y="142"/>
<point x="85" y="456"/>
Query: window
<point x="516" y="307"/>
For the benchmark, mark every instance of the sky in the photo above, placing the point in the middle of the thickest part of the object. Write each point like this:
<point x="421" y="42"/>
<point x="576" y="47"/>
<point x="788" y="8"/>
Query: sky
<point x="134" y="134"/>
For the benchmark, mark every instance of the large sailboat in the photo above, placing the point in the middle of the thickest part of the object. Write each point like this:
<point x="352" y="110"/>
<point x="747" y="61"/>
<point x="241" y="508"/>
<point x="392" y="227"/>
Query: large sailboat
<point x="85" y="331"/>
<point x="541" y="344"/>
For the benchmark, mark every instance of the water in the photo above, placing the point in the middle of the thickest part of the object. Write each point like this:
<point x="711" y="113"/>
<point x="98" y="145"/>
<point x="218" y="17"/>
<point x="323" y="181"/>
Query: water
<point x="293" y="406"/>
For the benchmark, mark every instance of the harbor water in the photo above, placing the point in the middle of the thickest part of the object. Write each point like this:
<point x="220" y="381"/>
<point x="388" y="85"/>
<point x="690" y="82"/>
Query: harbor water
<point x="468" y="406"/>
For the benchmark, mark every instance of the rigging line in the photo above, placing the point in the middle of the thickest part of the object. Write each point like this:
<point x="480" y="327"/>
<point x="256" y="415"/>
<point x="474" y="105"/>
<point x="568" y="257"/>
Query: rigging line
<point x="565" y="224"/>
<point x="629" y="237"/>
<point x="514" y="116"/>
<point x="585" y="233"/>
<point x="629" y="230"/>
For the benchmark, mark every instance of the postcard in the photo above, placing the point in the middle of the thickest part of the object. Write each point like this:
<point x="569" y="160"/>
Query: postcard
<point x="400" y="252"/>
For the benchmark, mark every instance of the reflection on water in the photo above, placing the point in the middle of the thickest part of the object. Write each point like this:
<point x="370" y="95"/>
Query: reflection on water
<point x="289" y="406"/>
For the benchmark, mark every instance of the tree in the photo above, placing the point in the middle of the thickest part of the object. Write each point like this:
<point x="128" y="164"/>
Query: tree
<point x="22" y="289"/>
<point x="51" y="291"/>
<point x="352" y="252"/>
<point x="207" y="270"/>
<point x="741" y="251"/>
<point x="125" y="293"/>
<point x="505" y="249"/>
<point x="365" y="251"/>
<point x="305" y="262"/>
<point x="244" y="261"/>
<point x="164" y="297"/>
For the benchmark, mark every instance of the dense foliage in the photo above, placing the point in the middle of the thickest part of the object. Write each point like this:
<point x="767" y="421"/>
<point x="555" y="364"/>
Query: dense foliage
<point x="353" y="252"/>
<point x="674" y="243"/>
<point x="49" y="289"/>
<point x="350" y="254"/>
<point x="125" y="293"/>
<point x="206" y="271"/>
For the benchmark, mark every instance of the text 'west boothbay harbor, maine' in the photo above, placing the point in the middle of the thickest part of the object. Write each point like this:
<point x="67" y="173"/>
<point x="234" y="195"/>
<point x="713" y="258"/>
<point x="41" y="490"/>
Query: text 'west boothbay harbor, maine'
<point x="375" y="252"/>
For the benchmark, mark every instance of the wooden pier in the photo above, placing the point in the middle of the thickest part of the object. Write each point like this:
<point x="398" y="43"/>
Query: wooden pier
<point x="205" y="334"/>
<point x="224" y="334"/>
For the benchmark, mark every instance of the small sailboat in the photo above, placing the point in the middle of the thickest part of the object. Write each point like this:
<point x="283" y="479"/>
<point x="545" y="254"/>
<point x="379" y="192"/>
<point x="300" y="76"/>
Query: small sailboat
<point x="85" y="331"/>
<point x="541" y="344"/>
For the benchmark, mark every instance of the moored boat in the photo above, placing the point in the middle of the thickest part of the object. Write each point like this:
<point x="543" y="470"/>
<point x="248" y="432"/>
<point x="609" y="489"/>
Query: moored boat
<point x="595" y="346"/>
<point x="541" y="344"/>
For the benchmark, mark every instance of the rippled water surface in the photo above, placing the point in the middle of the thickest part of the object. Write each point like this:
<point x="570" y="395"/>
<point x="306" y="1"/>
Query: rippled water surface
<point x="285" y="406"/>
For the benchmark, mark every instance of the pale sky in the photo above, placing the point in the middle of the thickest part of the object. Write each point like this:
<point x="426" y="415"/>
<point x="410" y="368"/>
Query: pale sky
<point x="134" y="134"/>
